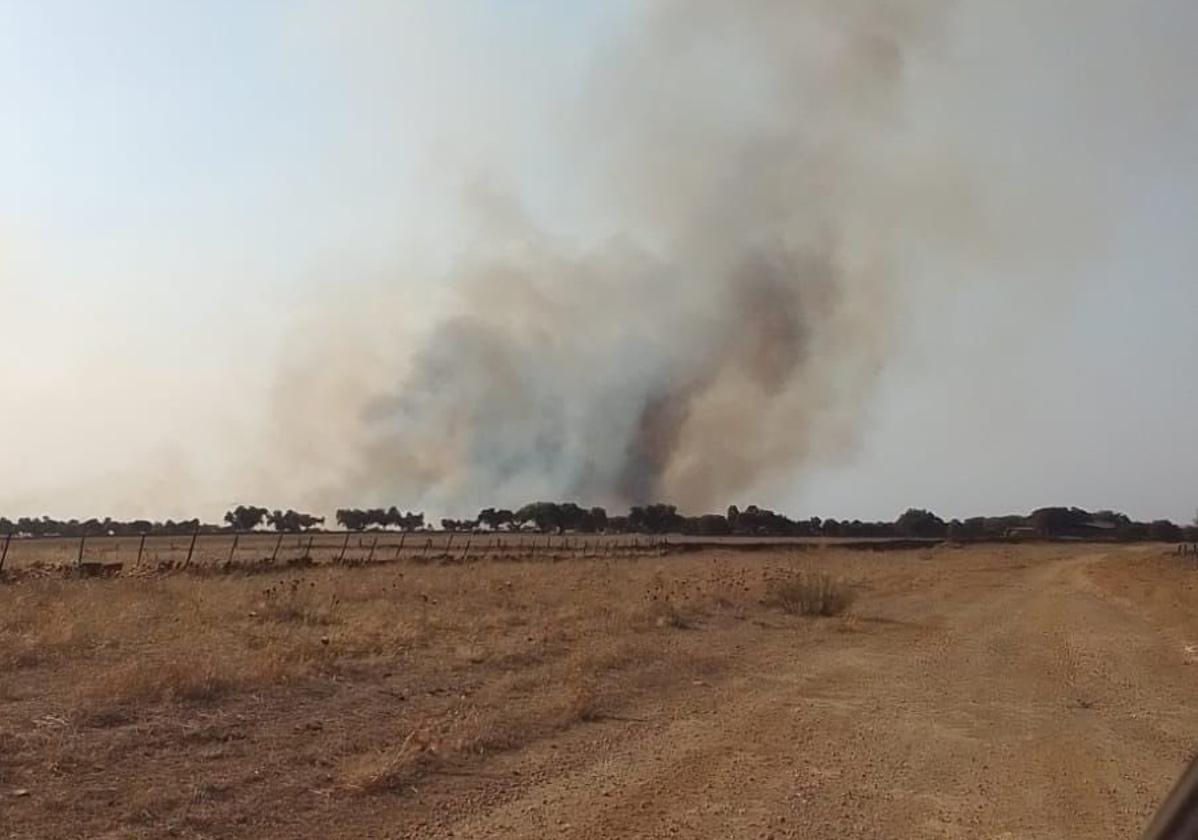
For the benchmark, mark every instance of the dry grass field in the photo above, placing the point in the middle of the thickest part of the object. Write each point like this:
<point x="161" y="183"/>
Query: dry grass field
<point x="1004" y="691"/>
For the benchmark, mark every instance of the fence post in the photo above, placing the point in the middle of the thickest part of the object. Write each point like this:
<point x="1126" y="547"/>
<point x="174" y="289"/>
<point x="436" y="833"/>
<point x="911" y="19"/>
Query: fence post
<point x="308" y="550"/>
<point x="233" y="549"/>
<point x="373" y="546"/>
<point x="279" y="542"/>
<point x="428" y="545"/>
<point x="141" y="547"/>
<point x="191" y="548"/>
<point x="344" y="546"/>
<point x="4" y="553"/>
<point x="82" y="542"/>
<point x="403" y="535"/>
<point x="466" y="550"/>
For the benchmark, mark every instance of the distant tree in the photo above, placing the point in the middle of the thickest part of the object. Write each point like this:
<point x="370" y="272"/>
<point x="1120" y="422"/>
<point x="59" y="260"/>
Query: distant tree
<point x="495" y="518"/>
<point x="571" y="517"/>
<point x="973" y="528"/>
<point x="1053" y="520"/>
<point x="407" y="520"/>
<point x="351" y="519"/>
<point x="920" y="523"/>
<point x="291" y="521"/>
<point x="765" y="522"/>
<point x="544" y="516"/>
<point x="655" y="519"/>
<point x="954" y="530"/>
<point x="246" y="517"/>
<point x="619" y="525"/>
<point x="707" y="525"/>
<point x="1162" y="530"/>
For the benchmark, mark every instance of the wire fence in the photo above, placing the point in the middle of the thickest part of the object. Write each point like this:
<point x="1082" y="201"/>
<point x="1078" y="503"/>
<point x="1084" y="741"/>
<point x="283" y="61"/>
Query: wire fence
<point x="112" y="555"/>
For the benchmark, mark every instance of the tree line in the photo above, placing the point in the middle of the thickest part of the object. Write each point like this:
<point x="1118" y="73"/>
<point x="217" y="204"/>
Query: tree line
<point x="569" y="517"/>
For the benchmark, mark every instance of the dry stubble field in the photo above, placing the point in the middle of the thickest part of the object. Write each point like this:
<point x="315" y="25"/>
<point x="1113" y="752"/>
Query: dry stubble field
<point x="1000" y="691"/>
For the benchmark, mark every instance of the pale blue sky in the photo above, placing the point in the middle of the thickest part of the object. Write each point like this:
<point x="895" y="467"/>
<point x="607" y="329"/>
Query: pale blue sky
<point x="181" y="181"/>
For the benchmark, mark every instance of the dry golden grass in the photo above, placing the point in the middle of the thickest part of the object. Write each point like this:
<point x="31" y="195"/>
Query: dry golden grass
<point x="145" y="641"/>
<point x="815" y="593"/>
<point x="361" y="680"/>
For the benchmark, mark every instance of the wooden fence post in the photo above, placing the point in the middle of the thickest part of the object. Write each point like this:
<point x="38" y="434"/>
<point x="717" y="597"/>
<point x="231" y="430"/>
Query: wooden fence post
<point x="191" y="548"/>
<point x="308" y="550"/>
<point x="466" y="550"/>
<point x="279" y="542"/>
<point x="373" y="546"/>
<point x="82" y="542"/>
<point x="449" y="544"/>
<point x="4" y="553"/>
<point x="141" y="547"/>
<point x="428" y="545"/>
<point x="399" y="548"/>
<point x="344" y="547"/>
<point x="233" y="549"/>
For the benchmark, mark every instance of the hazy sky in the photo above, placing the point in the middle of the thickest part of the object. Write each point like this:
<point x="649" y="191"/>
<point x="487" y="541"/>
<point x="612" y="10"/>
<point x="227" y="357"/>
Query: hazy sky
<point x="190" y="191"/>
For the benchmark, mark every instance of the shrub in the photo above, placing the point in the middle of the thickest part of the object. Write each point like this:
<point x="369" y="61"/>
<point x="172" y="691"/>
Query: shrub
<point x="809" y="593"/>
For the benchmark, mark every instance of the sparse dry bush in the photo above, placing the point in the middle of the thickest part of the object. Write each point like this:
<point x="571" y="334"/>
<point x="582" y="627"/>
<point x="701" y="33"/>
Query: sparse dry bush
<point x="391" y="770"/>
<point x="143" y="681"/>
<point x="297" y="601"/>
<point x="808" y="593"/>
<point x="669" y="603"/>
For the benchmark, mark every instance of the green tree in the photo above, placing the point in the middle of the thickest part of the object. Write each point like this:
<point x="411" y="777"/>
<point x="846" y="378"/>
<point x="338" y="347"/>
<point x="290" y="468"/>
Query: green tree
<point x="246" y="517"/>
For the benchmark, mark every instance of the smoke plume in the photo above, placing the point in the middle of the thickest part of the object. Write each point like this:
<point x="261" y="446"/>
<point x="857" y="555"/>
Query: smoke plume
<point x="742" y="165"/>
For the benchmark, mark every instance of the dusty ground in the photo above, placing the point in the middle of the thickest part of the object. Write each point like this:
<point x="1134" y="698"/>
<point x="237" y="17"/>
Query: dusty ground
<point x="1015" y="692"/>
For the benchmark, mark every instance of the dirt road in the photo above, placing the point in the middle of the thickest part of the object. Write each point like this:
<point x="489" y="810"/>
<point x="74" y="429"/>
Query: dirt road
<point x="1013" y="698"/>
